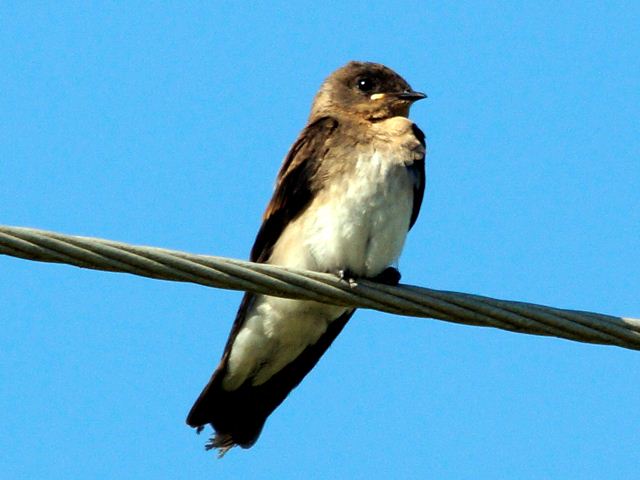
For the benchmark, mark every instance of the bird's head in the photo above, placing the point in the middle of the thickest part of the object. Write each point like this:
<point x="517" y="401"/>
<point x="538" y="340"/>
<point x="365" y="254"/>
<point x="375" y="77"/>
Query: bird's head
<point x="368" y="90"/>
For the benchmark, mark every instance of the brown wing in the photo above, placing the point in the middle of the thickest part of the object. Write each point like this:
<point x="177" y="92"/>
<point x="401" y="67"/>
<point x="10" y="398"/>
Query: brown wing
<point x="418" y="171"/>
<point x="294" y="186"/>
<point x="293" y="193"/>
<point x="238" y="415"/>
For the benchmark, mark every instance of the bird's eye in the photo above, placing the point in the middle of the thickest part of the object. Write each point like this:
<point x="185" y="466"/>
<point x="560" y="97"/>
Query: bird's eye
<point x="365" y="84"/>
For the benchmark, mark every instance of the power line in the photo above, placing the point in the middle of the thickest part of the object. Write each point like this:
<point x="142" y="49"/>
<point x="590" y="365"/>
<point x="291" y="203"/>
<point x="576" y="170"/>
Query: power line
<point x="220" y="272"/>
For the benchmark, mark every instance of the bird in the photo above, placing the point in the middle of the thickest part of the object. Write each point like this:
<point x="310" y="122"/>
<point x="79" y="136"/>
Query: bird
<point x="348" y="191"/>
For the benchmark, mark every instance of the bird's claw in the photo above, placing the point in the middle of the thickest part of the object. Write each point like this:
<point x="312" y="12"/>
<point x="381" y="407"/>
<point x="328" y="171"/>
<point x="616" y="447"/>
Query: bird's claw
<point x="348" y="277"/>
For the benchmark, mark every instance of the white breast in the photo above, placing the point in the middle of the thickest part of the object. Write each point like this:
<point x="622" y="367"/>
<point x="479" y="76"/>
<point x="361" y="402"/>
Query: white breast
<point x="361" y="223"/>
<point x="358" y="223"/>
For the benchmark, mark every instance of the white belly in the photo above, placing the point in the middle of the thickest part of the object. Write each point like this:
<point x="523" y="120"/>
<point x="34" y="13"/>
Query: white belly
<point x="358" y="225"/>
<point x="361" y="224"/>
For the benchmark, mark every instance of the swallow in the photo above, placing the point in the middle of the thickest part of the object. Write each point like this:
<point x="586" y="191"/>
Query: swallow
<point x="349" y="190"/>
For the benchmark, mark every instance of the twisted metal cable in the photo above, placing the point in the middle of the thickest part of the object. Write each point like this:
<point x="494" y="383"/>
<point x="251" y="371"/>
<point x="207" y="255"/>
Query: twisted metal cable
<point x="99" y="254"/>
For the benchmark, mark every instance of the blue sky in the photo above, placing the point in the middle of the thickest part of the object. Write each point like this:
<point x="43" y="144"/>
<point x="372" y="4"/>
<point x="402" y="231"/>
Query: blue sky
<point x="165" y="125"/>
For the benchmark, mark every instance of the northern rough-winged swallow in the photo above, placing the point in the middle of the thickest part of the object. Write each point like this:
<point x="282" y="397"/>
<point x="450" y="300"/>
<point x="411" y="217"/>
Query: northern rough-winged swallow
<point x="346" y="195"/>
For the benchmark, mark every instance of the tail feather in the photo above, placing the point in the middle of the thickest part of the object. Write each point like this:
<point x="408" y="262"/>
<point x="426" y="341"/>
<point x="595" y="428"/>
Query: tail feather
<point x="238" y="415"/>
<point x="223" y="442"/>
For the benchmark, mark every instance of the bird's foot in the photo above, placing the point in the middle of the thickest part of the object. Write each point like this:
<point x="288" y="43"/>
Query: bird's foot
<point x="347" y="276"/>
<point x="389" y="276"/>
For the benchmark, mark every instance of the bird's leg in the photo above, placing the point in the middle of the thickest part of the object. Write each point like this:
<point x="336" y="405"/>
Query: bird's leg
<point x="389" y="276"/>
<point x="348" y="276"/>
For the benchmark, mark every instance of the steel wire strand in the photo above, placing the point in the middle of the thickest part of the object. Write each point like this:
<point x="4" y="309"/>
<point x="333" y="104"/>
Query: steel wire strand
<point x="274" y="280"/>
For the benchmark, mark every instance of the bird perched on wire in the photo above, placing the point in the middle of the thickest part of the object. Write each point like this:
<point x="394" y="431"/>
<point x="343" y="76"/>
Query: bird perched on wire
<point x="348" y="192"/>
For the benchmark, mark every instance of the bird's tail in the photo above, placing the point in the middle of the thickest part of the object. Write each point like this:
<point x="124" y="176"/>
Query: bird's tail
<point x="238" y="415"/>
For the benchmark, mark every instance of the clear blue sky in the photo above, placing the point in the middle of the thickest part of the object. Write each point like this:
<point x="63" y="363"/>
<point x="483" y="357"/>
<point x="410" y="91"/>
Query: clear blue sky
<point x="165" y="125"/>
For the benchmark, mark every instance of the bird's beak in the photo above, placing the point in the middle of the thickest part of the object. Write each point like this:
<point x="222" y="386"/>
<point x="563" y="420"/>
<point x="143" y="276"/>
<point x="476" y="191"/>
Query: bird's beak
<point x="411" y="96"/>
